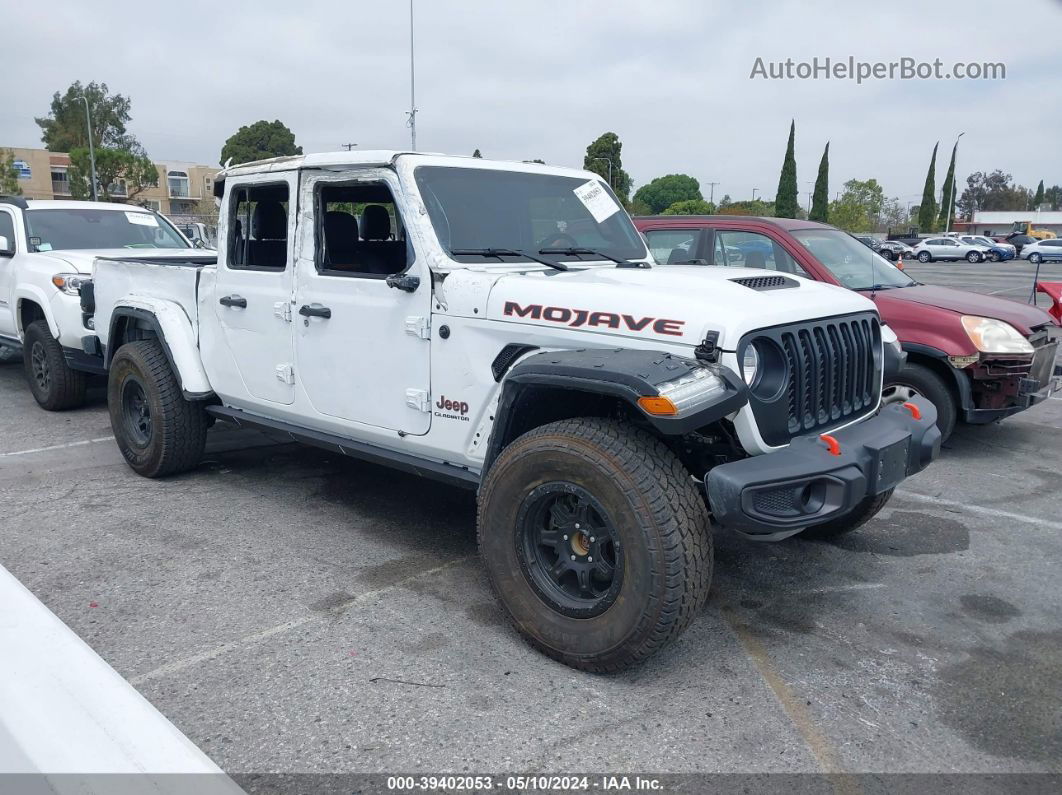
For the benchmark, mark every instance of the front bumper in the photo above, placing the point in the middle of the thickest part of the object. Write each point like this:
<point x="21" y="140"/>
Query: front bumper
<point x="770" y="497"/>
<point x="1035" y="382"/>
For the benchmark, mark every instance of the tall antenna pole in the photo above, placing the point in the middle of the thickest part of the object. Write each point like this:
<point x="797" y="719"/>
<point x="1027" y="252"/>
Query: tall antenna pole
<point x="412" y="86"/>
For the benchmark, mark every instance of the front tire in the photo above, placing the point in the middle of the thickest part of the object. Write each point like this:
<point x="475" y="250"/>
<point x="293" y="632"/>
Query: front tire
<point x="993" y="256"/>
<point x="924" y="257"/>
<point x="55" y="386"/>
<point x="917" y="380"/>
<point x="158" y="432"/>
<point x="866" y="510"/>
<point x="648" y="528"/>
<point x="1035" y="258"/>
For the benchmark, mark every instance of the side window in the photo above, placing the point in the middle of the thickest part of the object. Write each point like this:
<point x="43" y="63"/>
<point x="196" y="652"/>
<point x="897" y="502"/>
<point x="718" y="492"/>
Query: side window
<point x="7" y="228"/>
<point x="359" y="231"/>
<point x="753" y="250"/>
<point x="258" y="230"/>
<point x="670" y="246"/>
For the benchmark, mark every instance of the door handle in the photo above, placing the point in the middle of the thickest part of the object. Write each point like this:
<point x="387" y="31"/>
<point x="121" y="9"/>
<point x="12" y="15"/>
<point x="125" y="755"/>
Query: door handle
<point x="233" y="300"/>
<point x="315" y="310"/>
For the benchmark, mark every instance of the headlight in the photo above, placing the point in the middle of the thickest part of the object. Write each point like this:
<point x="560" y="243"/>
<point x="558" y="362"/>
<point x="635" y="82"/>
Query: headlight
<point x="994" y="336"/>
<point x="676" y="397"/>
<point x="750" y="364"/>
<point x="70" y="283"/>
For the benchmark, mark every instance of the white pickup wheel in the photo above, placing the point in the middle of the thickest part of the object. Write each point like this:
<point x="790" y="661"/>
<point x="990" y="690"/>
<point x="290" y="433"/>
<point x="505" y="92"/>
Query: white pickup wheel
<point x="158" y="431"/>
<point x="55" y="386"/>
<point x="596" y="541"/>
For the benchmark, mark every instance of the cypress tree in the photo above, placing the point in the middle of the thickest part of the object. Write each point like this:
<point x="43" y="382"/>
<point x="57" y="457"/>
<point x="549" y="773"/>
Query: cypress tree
<point x="947" y="196"/>
<point x="1038" y="199"/>
<point x="476" y="154"/>
<point x="820" y="201"/>
<point x="927" y="210"/>
<point x="785" y="200"/>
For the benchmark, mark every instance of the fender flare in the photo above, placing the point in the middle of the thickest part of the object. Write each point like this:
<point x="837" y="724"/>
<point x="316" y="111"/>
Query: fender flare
<point x="35" y="294"/>
<point x="959" y="377"/>
<point x="626" y="374"/>
<point x="171" y="325"/>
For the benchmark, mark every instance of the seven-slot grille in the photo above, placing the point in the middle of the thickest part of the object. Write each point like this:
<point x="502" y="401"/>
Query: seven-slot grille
<point x="832" y="375"/>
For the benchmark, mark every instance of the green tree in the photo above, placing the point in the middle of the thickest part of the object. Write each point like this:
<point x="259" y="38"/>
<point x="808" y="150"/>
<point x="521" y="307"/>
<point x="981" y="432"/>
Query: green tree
<point x="785" y="200"/>
<point x="859" y="206"/>
<point x="664" y="191"/>
<point x="1038" y="199"/>
<point x="993" y="191"/>
<point x="260" y="141"/>
<point x="477" y="154"/>
<point x="690" y="207"/>
<point x="64" y="128"/>
<point x="749" y="207"/>
<point x="1053" y="196"/>
<point x="820" y="201"/>
<point x="927" y="210"/>
<point x="121" y="174"/>
<point x="947" y="194"/>
<point x="605" y="150"/>
<point x="8" y="174"/>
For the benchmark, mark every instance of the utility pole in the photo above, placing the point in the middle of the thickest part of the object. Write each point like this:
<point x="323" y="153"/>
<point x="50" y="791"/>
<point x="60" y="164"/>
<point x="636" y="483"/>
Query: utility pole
<point x="951" y="199"/>
<point x="754" y="192"/>
<point x="412" y="87"/>
<point x="92" y="149"/>
<point x="348" y="147"/>
<point x="711" y="196"/>
<point x="609" y="161"/>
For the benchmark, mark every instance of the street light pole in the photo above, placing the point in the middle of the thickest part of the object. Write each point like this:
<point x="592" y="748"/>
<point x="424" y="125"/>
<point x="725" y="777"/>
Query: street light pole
<point x="754" y="191"/>
<point x="951" y="199"/>
<point x="609" y="161"/>
<point x="92" y="149"/>
<point x="412" y="87"/>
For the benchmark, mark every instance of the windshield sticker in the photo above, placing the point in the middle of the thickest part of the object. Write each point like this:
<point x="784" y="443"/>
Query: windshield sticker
<point x="596" y="199"/>
<point x="142" y="219"/>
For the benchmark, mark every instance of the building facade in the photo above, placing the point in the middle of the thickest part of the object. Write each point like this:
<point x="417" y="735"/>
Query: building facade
<point x="185" y="190"/>
<point x="1000" y="222"/>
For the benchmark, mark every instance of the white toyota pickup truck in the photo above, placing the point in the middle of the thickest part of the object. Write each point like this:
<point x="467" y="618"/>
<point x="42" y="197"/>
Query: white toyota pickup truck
<point x="46" y="252"/>
<point x="502" y="326"/>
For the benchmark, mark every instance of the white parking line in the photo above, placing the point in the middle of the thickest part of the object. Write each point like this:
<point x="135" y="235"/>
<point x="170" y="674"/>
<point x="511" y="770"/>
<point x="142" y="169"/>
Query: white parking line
<point x="980" y="510"/>
<point x="59" y="446"/>
<point x="255" y="637"/>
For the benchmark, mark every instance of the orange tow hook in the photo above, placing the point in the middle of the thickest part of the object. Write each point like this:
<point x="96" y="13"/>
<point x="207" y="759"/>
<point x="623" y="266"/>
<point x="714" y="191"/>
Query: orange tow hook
<point x="915" y="411"/>
<point x="831" y="444"/>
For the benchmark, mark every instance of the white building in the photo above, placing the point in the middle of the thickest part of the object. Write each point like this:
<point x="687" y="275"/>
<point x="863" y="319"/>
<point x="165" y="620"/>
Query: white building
<point x="994" y="223"/>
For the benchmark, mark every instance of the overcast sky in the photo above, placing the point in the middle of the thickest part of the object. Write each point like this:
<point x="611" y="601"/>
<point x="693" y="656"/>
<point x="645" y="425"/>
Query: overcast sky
<point x="541" y="78"/>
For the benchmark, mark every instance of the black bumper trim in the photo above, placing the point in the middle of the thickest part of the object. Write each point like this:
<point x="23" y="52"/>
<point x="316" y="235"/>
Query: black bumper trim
<point x="776" y="495"/>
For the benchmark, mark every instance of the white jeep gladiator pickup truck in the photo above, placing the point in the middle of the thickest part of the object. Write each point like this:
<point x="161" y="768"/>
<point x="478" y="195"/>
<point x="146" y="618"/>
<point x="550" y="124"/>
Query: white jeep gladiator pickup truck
<point x="46" y="253"/>
<point x="502" y="326"/>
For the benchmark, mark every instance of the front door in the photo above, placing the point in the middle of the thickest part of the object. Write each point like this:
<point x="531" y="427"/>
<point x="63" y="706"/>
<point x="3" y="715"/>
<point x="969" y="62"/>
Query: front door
<point x="252" y="294"/>
<point x="361" y="346"/>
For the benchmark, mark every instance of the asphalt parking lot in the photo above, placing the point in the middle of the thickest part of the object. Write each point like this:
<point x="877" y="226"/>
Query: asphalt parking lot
<point x="289" y="611"/>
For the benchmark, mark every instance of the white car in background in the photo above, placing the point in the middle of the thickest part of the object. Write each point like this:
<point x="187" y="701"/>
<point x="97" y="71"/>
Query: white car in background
<point x="1043" y="251"/>
<point x="949" y="248"/>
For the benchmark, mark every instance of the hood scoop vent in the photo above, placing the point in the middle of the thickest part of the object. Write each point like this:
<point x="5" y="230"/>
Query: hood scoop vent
<point x="766" y="282"/>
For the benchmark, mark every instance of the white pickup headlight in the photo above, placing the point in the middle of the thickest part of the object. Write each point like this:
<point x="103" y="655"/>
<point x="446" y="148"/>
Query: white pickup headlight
<point x="70" y="283"/>
<point x="994" y="336"/>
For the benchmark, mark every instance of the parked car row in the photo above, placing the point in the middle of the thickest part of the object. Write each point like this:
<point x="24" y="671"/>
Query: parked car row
<point x="503" y="327"/>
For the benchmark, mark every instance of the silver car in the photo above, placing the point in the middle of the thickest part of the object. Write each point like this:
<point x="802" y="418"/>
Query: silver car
<point x="1043" y="251"/>
<point x="948" y="248"/>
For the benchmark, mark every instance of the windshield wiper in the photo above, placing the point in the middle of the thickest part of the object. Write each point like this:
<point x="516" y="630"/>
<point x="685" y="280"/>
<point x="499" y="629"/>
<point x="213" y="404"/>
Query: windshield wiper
<point x="579" y="252"/>
<point x="501" y="253"/>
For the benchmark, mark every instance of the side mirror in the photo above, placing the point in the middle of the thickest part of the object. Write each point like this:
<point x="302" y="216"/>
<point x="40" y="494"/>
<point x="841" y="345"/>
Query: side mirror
<point x="5" y="247"/>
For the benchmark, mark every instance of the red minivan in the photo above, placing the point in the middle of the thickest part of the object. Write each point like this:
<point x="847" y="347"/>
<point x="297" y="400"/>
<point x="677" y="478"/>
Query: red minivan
<point x="977" y="358"/>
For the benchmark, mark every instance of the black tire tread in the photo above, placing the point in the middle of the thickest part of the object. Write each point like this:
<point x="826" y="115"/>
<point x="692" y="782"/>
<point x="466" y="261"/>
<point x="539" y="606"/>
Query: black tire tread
<point x="665" y="487"/>
<point x="850" y="522"/>
<point x="183" y="423"/>
<point x="68" y="386"/>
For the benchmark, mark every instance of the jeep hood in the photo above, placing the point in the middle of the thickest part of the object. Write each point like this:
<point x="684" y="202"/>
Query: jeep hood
<point x="81" y="259"/>
<point x="1022" y="316"/>
<point x="675" y="304"/>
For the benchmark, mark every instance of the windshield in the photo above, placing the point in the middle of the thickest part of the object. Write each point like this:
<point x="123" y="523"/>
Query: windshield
<point x="852" y="264"/>
<point x="55" y="230"/>
<point x="483" y="209"/>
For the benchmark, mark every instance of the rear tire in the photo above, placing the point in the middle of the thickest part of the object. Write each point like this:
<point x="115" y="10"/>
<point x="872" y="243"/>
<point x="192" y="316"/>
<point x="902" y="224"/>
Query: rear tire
<point x="887" y="254"/>
<point x="55" y="386"/>
<point x="649" y="528"/>
<point x="158" y="431"/>
<point x="917" y="379"/>
<point x="866" y="510"/>
<point x="974" y="257"/>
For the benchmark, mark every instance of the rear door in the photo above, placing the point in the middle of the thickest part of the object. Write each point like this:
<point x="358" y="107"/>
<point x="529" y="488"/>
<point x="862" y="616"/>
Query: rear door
<point x="675" y="245"/>
<point x="253" y="290"/>
<point x="7" y="274"/>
